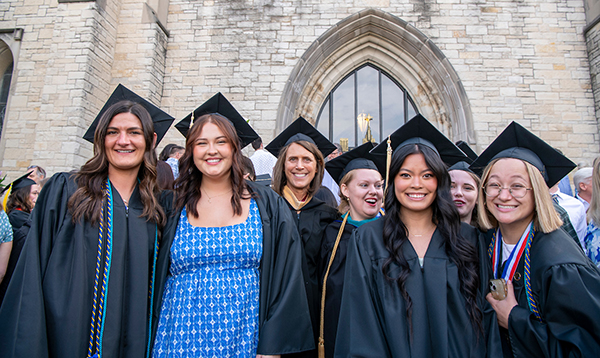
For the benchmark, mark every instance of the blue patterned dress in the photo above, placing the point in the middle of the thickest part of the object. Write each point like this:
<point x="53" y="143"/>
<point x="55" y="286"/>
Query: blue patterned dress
<point x="211" y="298"/>
<point x="592" y="243"/>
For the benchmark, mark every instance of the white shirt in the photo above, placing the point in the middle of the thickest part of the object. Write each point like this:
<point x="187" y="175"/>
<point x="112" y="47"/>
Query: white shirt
<point x="586" y="205"/>
<point x="331" y="185"/>
<point x="576" y="211"/>
<point x="263" y="162"/>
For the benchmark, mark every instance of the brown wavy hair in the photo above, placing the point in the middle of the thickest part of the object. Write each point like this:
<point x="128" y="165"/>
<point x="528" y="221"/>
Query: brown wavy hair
<point x="19" y="199"/>
<point x="88" y="199"/>
<point x="279" y="178"/>
<point x="187" y="186"/>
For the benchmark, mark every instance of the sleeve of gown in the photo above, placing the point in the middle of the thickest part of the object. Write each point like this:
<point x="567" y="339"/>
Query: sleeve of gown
<point x="490" y="320"/>
<point x="571" y="311"/>
<point x="360" y="333"/>
<point x="22" y="316"/>
<point x="286" y="327"/>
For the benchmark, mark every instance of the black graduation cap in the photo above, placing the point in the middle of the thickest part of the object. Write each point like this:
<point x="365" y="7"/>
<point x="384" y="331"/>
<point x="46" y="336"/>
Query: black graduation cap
<point x="162" y="121"/>
<point x="220" y="105"/>
<point x="299" y="130"/>
<point x="519" y="143"/>
<point x="357" y="158"/>
<point x="19" y="183"/>
<point x="419" y="130"/>
<point x="264" y="179"/>
<point x="462" y="165"/>
<point x="469" y="152"/>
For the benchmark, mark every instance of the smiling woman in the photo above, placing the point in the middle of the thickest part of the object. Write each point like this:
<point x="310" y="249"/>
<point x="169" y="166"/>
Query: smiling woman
<point x="416" y="274"/>
<point x="91" y="253"/>
<point x="234" y="280"/>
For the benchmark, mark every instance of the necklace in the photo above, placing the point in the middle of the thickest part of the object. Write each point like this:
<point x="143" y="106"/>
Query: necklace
<point x="215" y="196"/>
<point x="424" y="232"/>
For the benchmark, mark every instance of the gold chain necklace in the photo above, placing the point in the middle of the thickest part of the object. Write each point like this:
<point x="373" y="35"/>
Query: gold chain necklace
<point x="215" y="196"/>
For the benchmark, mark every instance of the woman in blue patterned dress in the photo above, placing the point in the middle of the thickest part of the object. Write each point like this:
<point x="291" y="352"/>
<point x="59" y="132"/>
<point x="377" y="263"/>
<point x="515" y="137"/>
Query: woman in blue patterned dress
<point x="234" y="286"/>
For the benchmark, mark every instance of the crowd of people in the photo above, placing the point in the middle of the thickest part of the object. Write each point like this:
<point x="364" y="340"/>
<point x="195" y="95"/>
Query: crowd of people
<point x="413" y="247"/>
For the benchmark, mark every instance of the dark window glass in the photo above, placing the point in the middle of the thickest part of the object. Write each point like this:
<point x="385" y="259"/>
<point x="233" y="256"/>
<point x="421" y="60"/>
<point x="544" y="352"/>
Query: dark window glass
<point x="366" y="105"/>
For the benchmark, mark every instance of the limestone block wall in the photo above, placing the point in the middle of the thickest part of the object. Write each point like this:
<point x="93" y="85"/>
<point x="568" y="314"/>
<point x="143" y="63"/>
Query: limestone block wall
<point x="518" y="60"/>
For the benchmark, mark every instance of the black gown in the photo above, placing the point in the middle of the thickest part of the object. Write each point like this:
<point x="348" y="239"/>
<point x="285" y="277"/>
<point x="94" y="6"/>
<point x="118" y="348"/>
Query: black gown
<point x="311" y="222"/>
<point x="335" y="279"/>
<point x="566" y="287"/>
<point x="284" y="320"/>
<point x="373" y="320"/>
<point x="17" y="219"/>
<point x="48" y="304"/>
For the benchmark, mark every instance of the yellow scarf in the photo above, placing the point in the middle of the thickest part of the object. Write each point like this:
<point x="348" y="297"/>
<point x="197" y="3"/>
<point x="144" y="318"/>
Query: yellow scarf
<point x="292" y="200"/>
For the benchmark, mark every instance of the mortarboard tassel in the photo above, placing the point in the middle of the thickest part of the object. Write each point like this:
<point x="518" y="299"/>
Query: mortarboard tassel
<point x="388" y="162"/>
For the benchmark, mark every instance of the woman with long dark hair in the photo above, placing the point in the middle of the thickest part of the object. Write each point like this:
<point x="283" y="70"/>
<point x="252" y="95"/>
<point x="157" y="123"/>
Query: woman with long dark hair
<point x="413" y="278"/>
<point x="297" y="177"/>
<point x="21" y="200"/>
<point x="234" y="286"/>
<point x="84" y="284"/>
<point x="546" y="292"/>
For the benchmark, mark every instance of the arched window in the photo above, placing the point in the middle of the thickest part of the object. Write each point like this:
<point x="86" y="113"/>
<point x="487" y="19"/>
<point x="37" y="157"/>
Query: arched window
<point x="366" y="105"/>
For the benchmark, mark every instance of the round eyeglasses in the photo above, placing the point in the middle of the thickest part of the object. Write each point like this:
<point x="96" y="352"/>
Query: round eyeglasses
<point x="494" y="189"/>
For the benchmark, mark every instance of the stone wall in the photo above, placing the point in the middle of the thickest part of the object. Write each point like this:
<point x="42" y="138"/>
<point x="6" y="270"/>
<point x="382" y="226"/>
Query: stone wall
<point x="520" y="60"/>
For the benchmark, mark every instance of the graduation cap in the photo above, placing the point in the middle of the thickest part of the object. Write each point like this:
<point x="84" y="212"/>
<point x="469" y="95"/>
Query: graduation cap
<point x="21" y="182"/>
<point x="469" y="152"/>
<point x="162" y="121"/>
<point x="264" y="179"/>
<point x="519" y="143"/>
<point x="357" y="158"/>
<point x="300" y="130"/>
<point x="419" y="130"/>
<point x="462" y="165"/>
<point x="220" y="105"/>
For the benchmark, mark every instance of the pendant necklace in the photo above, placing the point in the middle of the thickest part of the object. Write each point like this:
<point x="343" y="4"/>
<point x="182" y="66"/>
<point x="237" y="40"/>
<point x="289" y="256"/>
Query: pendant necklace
<point x="215" y="196"/>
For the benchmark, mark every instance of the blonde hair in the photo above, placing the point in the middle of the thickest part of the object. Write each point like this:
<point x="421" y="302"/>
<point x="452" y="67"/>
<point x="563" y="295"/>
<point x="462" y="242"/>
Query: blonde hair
<point x="593" y="213"/>
<point x="545" y="217"/>
<point x="344" y="202"/>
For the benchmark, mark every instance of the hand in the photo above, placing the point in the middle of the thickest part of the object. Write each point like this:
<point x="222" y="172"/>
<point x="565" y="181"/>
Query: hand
<point x="262" y="356"/>
<point x="503" y="307"/>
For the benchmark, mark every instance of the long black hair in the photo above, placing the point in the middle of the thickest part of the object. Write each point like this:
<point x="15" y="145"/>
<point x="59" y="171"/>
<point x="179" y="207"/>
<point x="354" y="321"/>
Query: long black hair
<point x="444" y="214"/>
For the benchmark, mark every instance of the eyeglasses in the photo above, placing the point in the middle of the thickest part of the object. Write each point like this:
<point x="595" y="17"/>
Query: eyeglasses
<point x="494" y="189"/>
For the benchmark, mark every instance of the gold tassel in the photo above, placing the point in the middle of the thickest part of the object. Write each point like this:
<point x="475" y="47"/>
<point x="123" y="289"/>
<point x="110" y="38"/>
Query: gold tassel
<point x="5" y="200"/>
<point x="192" y="120"/>
<point x="321" y="347"/>
<point x="388" y="162"/>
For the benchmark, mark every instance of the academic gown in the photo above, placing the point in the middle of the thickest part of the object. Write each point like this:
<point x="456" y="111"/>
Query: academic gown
<point x="18" y="241"/>
<point x="311" y="222"/>
<point x="284" y="320"/>
<point x="48" y="306"/>
<point x="335" y="279"/>
<point x="373" y="320"/>
<point x="17" y="219"/>
<point x="566" y="287"/>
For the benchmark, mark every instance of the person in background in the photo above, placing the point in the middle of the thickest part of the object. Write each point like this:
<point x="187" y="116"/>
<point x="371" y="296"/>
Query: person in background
<point x="415" y="279"/>
<point x="592" y="236"/>
<point x="548" y="303"/>
<point x="329" y="182"/>
<point x="582" y="179"/>
<point x="84" y="284"/>
<point x="23" y="195"/>
<point x="248" y="169"/>
<point x="6" y="243"/>
<point x="575" y="211"/>
<point x="234" y="287"/>
<point x="262" y="160"/>
<point x="171" y="154"/>
<point x="361" y="196"/>
<point x="465" y="189"/>
<point x="164" y="176"/>
<point x="297" y="177"/>
<point x="36" y="173"/>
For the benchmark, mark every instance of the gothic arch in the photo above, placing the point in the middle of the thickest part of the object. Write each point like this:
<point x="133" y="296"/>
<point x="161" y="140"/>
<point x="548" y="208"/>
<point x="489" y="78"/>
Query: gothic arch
<point x="377" y="37"/>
